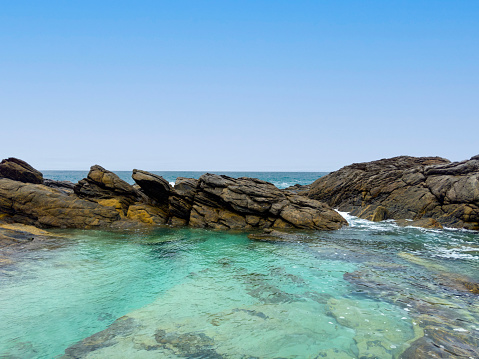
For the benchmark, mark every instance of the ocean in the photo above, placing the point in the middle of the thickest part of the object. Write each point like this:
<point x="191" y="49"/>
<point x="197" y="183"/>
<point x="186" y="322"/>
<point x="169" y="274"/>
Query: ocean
<point x="369" y="290"/>
<point x="279" y="179"/>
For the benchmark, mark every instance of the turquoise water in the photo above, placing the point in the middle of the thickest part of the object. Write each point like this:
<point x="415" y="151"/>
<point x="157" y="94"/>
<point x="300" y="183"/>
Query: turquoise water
<point x="368" y="290"/>
<point x="279" y="179"/>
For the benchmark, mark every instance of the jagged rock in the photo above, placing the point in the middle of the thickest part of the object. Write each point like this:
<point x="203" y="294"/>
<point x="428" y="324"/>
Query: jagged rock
<point x="407" y="188"/>
<point x="224" y="202"/>
<point x="147" y="214"/>
<point x="19" y="170"/>
<point x="270" y="235"/>
<point x="42" y="206"/>
<point x="220" y="202"/>
<point x="101" y="183"/>
<point x="64" y="186"/>
<point x="154" y="186"/>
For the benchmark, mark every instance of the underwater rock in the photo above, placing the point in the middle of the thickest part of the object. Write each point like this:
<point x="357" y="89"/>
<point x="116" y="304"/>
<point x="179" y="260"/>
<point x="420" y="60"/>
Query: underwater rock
<point x="440" y="343"/>
<point x="372" y="338"/>
<point x="121" y="327"/>
<point x="191" y="345"/>
<point x="407" y="188"/>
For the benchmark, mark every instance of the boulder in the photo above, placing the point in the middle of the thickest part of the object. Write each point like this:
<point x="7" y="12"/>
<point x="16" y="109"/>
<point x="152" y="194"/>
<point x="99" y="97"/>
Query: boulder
<point x="42" y="206"/>
<point x="101" y="183"/>
<point x="406" y="188"/>
<point x="19" y="170"/>
<point x="154" y="186"/>
<point x="223" y="202"/>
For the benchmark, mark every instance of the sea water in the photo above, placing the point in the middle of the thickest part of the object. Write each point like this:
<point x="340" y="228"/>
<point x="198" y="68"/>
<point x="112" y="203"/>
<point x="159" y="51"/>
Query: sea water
<point x="367" y="290"/>
<point x="279" y="179"/>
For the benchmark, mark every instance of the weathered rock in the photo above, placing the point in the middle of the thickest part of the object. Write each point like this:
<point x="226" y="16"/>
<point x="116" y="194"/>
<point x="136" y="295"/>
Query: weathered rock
<point x="64" y="186"/>
<point x="154" y="186"/>
<point x="406" y="188"/>
<point x="271" y="235"/>
<point x="298" y="189"/>
<point x="101" y="183"/>
<point x="380" y="214"/>
<point x="219" y="202"/>
<point x="423" y="222"/>
<point x="42" y="206"/>
<point x="224" y="202"/>
<point x="181" y="200"/>
<point x="19" y="170"/>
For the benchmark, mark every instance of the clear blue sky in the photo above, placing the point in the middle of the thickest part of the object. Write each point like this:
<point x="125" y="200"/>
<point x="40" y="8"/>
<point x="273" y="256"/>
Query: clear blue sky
<point x="237" y="85"/>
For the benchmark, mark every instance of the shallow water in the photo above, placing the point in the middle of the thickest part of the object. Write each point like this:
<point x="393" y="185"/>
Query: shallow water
<point x="368" y="290"/>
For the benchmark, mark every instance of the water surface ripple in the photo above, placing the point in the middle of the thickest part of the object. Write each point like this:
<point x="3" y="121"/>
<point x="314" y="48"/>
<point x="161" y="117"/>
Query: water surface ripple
<point x="369" y="290"/>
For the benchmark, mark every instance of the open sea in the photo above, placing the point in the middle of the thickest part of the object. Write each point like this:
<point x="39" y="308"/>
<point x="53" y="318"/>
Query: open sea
<point x="369" y="290"/>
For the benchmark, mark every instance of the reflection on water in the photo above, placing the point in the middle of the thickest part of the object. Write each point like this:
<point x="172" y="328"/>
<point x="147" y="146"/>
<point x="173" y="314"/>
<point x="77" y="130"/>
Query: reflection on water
<point x="372" y="290"/>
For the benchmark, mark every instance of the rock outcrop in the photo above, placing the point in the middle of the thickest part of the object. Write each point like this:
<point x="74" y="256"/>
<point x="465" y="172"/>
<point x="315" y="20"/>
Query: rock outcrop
<point x="406" y="188"/>
<point x="19" y="170"/>
<point x="223" y="202"/>
<point x="42" y="206"/>
<point x="102" y="199"/>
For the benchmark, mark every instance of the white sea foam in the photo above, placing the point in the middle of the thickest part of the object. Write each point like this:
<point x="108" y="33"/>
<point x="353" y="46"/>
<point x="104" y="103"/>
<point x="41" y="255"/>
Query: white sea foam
<point x="172" y="184"/>
<point x="453" y="253"/>
<point x="356" y="222"/>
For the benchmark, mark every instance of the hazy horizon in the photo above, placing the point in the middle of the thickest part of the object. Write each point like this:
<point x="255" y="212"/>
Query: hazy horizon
<point x="238" y="86"/>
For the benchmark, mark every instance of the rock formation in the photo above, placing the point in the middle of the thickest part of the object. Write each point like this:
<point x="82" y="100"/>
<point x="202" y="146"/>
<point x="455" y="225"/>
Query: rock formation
<point x="19" y="170"/>
<point x="406" y="188"/>
<point x="102" y="199"/>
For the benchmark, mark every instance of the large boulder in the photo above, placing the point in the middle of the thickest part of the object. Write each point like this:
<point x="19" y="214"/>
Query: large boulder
<point x="42" y="206"/>
<point x="406" y="188"/>
<point x="101" y="183"/>
<point x="223" y="202"/>
<point x="154" y="186"/>
<point x="19" y="170"/>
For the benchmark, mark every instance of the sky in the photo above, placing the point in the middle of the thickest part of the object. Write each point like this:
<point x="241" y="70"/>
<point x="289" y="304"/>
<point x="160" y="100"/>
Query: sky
<point x="237" y="85"/>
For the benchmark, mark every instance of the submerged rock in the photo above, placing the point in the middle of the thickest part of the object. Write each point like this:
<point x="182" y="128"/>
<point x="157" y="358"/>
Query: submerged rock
<point x="406" y="188"/>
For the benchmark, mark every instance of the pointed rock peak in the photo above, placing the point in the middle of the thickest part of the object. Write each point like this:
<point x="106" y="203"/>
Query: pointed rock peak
<point x="18" y="170"/>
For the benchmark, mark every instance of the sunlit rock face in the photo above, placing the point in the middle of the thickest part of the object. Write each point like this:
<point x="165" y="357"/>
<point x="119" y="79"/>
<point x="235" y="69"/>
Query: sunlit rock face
<point x="102" y="199"/>
<point x="406" y="188"/>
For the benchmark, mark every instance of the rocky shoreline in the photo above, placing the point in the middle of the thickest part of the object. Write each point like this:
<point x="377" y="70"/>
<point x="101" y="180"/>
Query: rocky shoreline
<point x="103" y="200"/>
<point x="423" y="192"/>
<point x="418" y="191"/>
